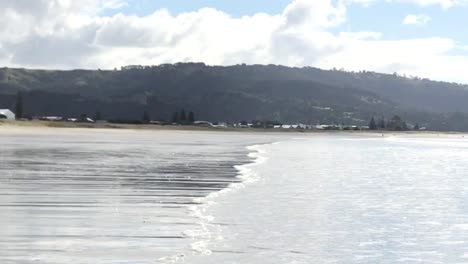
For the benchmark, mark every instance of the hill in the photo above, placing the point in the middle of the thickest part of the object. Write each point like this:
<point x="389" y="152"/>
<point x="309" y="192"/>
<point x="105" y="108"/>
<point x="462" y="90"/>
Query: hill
<point x="236" y="93"/>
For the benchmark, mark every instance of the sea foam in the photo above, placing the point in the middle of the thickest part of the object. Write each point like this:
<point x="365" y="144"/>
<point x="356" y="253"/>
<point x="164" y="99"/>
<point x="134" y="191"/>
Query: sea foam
<point x="209" y="231"/>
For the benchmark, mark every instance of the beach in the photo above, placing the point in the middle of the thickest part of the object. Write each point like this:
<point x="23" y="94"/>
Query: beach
<point x="79" y="195"/>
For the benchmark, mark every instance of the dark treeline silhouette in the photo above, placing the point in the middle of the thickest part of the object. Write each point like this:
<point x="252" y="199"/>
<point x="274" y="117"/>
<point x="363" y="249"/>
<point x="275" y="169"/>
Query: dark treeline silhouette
<point x="182" y="118"/>
<point x="241" y="92"/>
<point x="381" y="124"/>
<point x="19" y="106"/>
<point x="396" y="123"/>
<point x="98" y="116"/>
<point x="372" y="124"/>
<point x="146" y="117"/>
<point x="265" y="124"/>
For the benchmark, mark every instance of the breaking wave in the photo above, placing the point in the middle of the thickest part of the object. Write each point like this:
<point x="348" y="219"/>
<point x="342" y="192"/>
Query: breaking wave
<point x="207" y="230"/>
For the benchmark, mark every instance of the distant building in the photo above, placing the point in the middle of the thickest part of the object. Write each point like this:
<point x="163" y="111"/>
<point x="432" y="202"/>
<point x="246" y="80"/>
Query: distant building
<point x="243" y="125"/>
<point x="220" y="124"/>
<point x="203" y="123"/>
<point x="153" y="122"/>
<point x="51" y="118"/>
<point x="328" y="127"/>
<point x="7" y="114"/>
<point x="86" y="120"/>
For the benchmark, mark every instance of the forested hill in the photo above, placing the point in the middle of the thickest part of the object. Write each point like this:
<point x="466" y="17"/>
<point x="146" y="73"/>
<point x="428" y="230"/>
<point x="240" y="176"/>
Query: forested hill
<point x="236" y="93"/>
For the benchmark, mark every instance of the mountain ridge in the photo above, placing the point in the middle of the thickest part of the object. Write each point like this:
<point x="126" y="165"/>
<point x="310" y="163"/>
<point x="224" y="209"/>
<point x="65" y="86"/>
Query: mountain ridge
<point x="239" y="92"/>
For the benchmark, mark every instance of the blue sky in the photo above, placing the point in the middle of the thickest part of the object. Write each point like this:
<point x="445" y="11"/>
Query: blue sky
<point x="387" y="18"/>
<point x="233" y="7"/>
<point x="379" y="16"/>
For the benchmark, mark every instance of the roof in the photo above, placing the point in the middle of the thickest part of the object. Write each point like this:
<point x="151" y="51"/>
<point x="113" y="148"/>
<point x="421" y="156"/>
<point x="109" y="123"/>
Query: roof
<point x="7" y="113"/>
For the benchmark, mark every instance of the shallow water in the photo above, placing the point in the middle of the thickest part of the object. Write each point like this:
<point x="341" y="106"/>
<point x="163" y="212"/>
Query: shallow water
<point x="83" y="196"/>
<point x="172" y="197"/>
<point x="341" y="199"/>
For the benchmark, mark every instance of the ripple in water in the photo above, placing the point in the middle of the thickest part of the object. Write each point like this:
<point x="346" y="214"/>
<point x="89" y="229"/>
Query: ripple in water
<point x="83" y="196"/>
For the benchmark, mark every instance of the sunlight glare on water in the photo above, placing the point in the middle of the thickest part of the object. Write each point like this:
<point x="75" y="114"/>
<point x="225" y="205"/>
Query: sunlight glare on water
<point x="348" y="199"/>
<point x="173" y="197"/>
<point x="69" y="196"/>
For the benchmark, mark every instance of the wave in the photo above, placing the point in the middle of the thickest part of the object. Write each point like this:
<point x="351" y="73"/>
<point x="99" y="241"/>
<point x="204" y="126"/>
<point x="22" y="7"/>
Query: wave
<point x="208" y="231"/>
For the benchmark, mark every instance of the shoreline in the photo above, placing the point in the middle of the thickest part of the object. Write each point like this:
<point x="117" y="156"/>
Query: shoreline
<point x="201" y="210"/>
<point x="188" y="128"/>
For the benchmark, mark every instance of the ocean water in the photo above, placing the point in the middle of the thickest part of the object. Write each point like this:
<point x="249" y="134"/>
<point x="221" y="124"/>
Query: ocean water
<point x="85" y="196"/>
<point x="347" y="199"/>
<point x="107" y="196"/>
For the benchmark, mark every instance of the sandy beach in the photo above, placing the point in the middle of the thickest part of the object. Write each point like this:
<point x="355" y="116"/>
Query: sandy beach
<point x="48" y="127"/>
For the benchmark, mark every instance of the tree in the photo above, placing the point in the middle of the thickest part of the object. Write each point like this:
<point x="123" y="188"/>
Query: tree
<point x="19" y="105"/>
<point x="83" y="118"/>
<point x="183" y="116"/>
<point x="396" y="123"/>
<point x="146" y="117"/>
<point x="381" y="124"/>
<point x="97" y="116"/>
<point x="404" y="127"/>
<point x="191" y="117"/>
<point x="416" y="127"/>
<point x="175" y="117"/>
<point x="372" y="124"/>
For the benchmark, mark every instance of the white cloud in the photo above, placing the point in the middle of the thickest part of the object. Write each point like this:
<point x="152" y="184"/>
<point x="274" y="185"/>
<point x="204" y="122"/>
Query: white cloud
<point x="423" y="3"/>
<point x="73" y="34"/>
<point x="361" y="35"/>
<point x="442" y="3"/>
<point x="416" y="20"/>
<point x="419" y="57"/>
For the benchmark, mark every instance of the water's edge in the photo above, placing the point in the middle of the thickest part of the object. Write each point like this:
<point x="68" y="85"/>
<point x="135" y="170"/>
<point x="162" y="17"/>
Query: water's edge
<point x="208" y="230"/>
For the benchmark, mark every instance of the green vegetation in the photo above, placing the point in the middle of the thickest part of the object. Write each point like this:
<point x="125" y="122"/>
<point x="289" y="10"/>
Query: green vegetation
<point x="382" y="124"/>
<point x="19" y="106"/>
<point x="372" y="124"/>
<point x="232" y="94"/>
<point x="83" y="118"/>
<point x="182" y="118"/>
<point x="175" y="117"/>
<point x="98" y="116"/>
<point x="191" y="117"/>
<point x="396" y="123"/>
<point x="146" y="117"/>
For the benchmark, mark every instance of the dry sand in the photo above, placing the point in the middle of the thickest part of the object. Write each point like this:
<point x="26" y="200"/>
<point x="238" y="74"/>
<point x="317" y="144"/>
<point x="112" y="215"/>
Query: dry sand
<point x="47" y="127"/>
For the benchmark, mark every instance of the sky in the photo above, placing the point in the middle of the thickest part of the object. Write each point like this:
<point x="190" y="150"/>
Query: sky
<point x="424" y="38"/>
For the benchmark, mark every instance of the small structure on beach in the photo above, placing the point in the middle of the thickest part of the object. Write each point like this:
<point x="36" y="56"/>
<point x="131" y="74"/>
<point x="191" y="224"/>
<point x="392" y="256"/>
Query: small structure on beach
<point x="203" y="123"/>
<point x="51" y="118"/>
<point x="7" y="114"/>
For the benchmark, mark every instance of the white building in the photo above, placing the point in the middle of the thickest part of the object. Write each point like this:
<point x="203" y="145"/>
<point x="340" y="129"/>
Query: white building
<point x="7" y="114"/>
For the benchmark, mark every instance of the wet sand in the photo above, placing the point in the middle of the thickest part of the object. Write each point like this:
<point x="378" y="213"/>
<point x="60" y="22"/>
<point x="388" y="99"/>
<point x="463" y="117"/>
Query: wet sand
<point x="109" y="196"/>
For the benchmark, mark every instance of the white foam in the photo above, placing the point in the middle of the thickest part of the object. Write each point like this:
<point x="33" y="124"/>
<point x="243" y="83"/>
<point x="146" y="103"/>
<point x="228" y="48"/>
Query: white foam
<point x="173" y="259"/>
<point x="209" y="231"/>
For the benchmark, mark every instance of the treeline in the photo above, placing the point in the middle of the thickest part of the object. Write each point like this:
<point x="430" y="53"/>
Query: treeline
<point x="177" y="118"/>
<point x="266" y="92"/>
<point x="396" y="123"/>
<point x="183" y="118"/>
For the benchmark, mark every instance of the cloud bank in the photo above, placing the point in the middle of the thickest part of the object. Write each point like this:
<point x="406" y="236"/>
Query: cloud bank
<point x="443" y="3"/>
<point x="416" y="20"/>
<point x="69" y="34"/>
